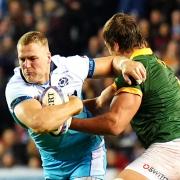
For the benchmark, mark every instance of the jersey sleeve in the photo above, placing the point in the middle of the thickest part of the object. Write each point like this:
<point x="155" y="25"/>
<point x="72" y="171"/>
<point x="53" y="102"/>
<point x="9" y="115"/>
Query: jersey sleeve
<point x="81" y="66"/>
<point x="121" y="86"/>
<point x="16" y="93"/>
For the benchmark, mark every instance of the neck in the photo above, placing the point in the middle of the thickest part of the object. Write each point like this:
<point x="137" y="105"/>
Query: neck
<point x="46" y="77"/>
<point x="128" y="53"/>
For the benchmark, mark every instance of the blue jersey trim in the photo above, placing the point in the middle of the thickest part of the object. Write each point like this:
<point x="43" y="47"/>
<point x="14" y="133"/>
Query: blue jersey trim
<point x="13" y="104"/>
<point x="91" y="68"/>
<point x="18" y="100"/>
<point x="18" y="121"/>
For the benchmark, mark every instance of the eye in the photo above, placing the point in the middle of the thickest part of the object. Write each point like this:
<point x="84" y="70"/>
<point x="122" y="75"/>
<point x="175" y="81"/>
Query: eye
<point x="21" y="59"/>
<point x="33" y="58"/>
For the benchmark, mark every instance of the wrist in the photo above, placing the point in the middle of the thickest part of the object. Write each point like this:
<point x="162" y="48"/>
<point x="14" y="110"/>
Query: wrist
<point x="98" y="102"/>
<point x="77" y="103"/>
<point x="119" y="62"/>
<point x="79" y="106"/>
<point x="122" y="63"/>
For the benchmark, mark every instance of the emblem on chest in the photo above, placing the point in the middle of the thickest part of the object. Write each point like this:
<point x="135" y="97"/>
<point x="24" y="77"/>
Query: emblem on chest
<point x="63" y="82"/>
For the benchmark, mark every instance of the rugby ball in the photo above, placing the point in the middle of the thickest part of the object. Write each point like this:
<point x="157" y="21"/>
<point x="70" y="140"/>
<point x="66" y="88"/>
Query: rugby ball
<point x="53" y="96"/>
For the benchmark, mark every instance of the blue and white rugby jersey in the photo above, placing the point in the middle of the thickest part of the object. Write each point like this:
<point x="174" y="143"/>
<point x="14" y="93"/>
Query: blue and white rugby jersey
<point x="68" y="74"/>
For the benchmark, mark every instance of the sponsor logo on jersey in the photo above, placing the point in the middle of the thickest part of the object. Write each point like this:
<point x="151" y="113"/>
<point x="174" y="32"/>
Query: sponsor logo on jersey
<point x="155" y="172"/>
<point x="63" y="82"/>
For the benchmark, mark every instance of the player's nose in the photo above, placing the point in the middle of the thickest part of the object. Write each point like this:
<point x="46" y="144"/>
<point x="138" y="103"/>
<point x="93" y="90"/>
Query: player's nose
<point x="27" y="63"/>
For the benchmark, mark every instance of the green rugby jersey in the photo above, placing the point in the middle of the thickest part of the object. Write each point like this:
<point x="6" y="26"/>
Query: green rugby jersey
<point x="158" y="119"/>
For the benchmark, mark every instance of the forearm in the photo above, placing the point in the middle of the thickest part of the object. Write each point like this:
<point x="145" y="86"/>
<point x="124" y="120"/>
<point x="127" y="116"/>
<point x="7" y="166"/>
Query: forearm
<point x="106" y="124"/>
<point x="123" y="108"/>
<point x="109" y="66"/>
<point x="103" y="67"/>
<point x="92" y="105"/>
<point x="52" y="117"/>
<point x="116" y="65"/>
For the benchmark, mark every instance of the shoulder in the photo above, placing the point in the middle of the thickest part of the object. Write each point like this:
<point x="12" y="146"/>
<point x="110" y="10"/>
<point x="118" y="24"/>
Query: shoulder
<point x="71" y="63"/>
<point x="16" y="79"/>
<point x="146" y="60"/>
<point x="59" y="60"/>
<point x="17" y="87"/>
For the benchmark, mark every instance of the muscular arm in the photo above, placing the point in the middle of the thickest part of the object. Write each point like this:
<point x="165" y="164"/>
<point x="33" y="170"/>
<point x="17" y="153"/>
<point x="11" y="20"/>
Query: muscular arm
<point x="113" y="65"/>
<point x="48" y="118"/>
<point x="124" y="106"/>
<point x="103" y="67"/>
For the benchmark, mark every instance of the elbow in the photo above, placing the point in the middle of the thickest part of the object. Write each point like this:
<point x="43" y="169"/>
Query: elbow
<point x="38" y="126"/>
<point x="115" y="127"/>
<point x="44" y="125"/>
<point x="38" y="130"/>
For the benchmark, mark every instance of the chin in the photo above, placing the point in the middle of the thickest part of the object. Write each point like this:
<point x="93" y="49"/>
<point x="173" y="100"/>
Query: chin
<point x="30" y="80"/>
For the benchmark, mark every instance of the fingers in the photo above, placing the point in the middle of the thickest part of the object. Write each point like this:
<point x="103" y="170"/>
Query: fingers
<point x="136" y="70"/>
<point x="142" y="70"/>
<point x="137" y="74"/>
<point x="127" y="79"/>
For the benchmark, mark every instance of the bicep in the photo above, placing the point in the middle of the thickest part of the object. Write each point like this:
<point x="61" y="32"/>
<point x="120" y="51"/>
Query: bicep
<point x="26" y="110"/>
<point x="124" y="106"/>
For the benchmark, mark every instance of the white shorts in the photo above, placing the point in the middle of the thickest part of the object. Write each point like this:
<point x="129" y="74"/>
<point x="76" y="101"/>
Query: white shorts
<point x="161" y="161"/>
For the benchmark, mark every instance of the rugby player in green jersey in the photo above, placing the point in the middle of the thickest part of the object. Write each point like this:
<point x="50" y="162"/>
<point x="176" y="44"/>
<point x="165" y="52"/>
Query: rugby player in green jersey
<point x="152" y="108"/>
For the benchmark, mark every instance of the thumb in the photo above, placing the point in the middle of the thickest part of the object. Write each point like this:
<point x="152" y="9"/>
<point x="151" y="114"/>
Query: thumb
<point x="127" y="79"/>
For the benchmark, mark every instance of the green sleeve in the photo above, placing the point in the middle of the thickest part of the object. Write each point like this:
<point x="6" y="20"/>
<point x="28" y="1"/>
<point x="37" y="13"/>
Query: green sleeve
<point x="122" y="86"/>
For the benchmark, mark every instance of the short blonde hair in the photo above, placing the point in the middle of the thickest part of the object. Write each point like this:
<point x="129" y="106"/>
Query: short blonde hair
<point x="33" y="37"/>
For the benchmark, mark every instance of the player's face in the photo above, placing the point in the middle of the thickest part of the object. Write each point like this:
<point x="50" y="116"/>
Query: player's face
<point x="34" y="60"/>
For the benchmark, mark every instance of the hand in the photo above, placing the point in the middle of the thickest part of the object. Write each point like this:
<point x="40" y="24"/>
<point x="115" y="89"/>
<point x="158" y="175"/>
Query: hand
<point x="133" y="69"/>
<point x="106" y="96"/>
<point x="129" y="69"/>
<point x="78" y="102"/>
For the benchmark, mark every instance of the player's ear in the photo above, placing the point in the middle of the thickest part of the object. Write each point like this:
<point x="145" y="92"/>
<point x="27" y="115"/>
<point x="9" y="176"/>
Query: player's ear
<point x="116" y="47"/>
<point x="49" y="57"/>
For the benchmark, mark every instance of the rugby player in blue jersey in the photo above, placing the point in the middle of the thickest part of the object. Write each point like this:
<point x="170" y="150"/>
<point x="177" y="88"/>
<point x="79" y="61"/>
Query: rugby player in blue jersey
<point x="72" y="155"/>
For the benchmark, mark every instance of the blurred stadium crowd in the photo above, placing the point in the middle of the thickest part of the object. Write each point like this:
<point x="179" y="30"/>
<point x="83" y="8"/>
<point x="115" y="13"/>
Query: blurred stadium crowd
<point x="75" y="27"/>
